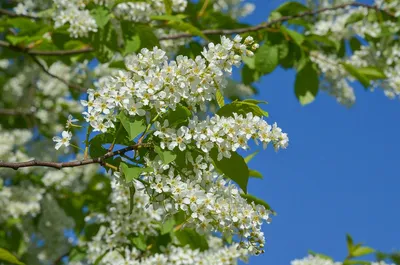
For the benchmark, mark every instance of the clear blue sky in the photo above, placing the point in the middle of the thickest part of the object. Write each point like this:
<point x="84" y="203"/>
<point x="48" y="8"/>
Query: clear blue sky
<point x="340" y="173"/>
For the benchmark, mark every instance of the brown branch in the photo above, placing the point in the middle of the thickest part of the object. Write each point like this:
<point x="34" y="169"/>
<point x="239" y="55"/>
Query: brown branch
<point x="12" y="14"/>
<point x="45" y="53"/>
<point x="16" y="112"/>
<point x="74" y="86"/>
<point x="270" y="23"/>
<point x="59" y="165"/>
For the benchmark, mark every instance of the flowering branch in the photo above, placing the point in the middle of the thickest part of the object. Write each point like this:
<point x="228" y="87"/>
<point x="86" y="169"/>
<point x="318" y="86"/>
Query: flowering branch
<point x="45" y="53"/>
<point x="272" y="22"/>
<point x="16" y="112"/>
<point x="12" y="14"/>
<point x="74" y="86"/>
<point x="60" y="165"/>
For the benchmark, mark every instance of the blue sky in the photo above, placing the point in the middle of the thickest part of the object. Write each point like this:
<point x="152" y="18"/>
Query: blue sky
<point x="339" y="174"/>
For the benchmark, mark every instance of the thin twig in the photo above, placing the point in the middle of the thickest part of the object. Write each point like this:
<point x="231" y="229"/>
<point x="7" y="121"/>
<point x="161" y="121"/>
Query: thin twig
<point x="12" y="14"/>
<point x="16" y="112"/>
<point x="270" y="23"/>
<point x="74" y="86"/>
<point x="45" y="53"/>
<point x="59" y="165"/>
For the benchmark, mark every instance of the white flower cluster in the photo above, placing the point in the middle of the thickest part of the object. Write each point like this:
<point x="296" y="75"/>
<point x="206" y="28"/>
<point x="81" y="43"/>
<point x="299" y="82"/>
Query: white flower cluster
<point x="18" y="201"/>
<point x="153" y="82"/>
<point x="315" y="260"/>
<point x="145" y="220"/>
<point x="73" y="12"/>
<point x="335" y="78"/>
<point x="334" y="25"/>
<point x="142" y="11"/>
<point x="234" y="8"/>
<point x="226" y="133"/>
<point x="209" y="201"/>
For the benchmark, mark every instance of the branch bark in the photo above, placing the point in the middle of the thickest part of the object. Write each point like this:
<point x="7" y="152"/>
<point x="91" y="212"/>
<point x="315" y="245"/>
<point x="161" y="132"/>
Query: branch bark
<point x="13" y="14"/>
<point x="60" y="165"/>
<point x="74" y="86"/>
<point x="272" y="22"/>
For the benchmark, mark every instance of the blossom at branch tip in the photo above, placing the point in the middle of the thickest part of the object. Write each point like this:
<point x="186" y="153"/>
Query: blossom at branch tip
<point x="63" y="140"/>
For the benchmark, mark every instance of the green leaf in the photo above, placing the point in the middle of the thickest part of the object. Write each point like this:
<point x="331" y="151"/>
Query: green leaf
<point x="266" y="58"/>
<point x="133" y="125"/>
<point x="165" y="155"/>
<point x="139" y="242"/>
<point x="250" y="198"/>
<point x="355" y="17"/>
<point x="220" y="98"/>
<point x="167" y="226"/>
<point x="349" y="241"/>
<point x="322" y="256"/>
<point x="25" y="26"/>
<point x="132" y="191"/>
<point x="117" y="64"/>
<point x="6" y="256"/>
<point x="356" y="262"/>
<point x="192" y="238"/>
<point x="234" y="168"/>
<point x="255" y="101"/>
<point x="99" y="258"/>
<point x="306" y="84"/>
<point x="101" y="15"/>
<point x="251" y="156"/>
<point x="241" y="107"/>
<point x="168" y="6"/>
<point x="357" y="74"/>
<point x="372" y="73"/>
<point x="291" y="8"/>
<point x="132" y="44"/>
<point x="180" y="115"/>
<point x="255" y="174"/>
<point x="297" y="37"/>
<point x="355" y="44"/>
<point x="361" y="251"/>
<point x="133" y="172"/>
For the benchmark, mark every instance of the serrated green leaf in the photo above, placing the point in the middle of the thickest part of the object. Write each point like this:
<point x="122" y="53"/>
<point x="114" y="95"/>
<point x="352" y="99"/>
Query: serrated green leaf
<point x="241" y="107"/>
<point x="250" y="198"/>
<point x="165" y="155"/>
<point x="168" y="6"/>
<point x="364" y="80"/>
<point x="132" y="44"/>
<point x="297" y="37"/>
<point x="234" y="168"/>
<point x="255" y="174"/>
<point x="101" y="14"/>
<point x="139" y="242"/>
<point x="251" y="156"/>
<point x="192" y="238"/>
<point x="133" y="172"/>
<point x="167" y="226"/>
<point x="6" y="256"/>
<point x="372" y="73"/>
<point x="291" y="9"/>
<point x="306" y="84"/>
<point x="355" y="44"/>
<point x="179" y="116"/>
<point x="220" y="98"/>
<point x="322" y="256"/>
<point x="361" y="251"/>
<point x="134" y="126"/>
<point x="266" y="58"/>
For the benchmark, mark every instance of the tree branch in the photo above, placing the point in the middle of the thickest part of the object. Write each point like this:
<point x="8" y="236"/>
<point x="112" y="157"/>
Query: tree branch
<point x="15" y="112"/>
<point x="13" y="14"/>
<point x="272" y="22"/>
<point x="74" y="86"/>
<point x="59" y="165"/>
<point x="45" y="53"/>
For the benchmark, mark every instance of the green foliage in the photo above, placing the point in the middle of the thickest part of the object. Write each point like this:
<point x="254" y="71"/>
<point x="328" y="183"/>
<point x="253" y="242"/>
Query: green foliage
<point x="190" y="237"/>
<point x="266" y="58"/>
<point x="306" y="84"/>
<point x="257" y="201"/>
<point x="322" y="256"/>
<point x="8" y="257"/>
<point x="165" y="155"/>
<point x="134" y="126"/>
<point x="234" y="168"/>
<point x="131" y="172"/>
<point x="242" y="107"/>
